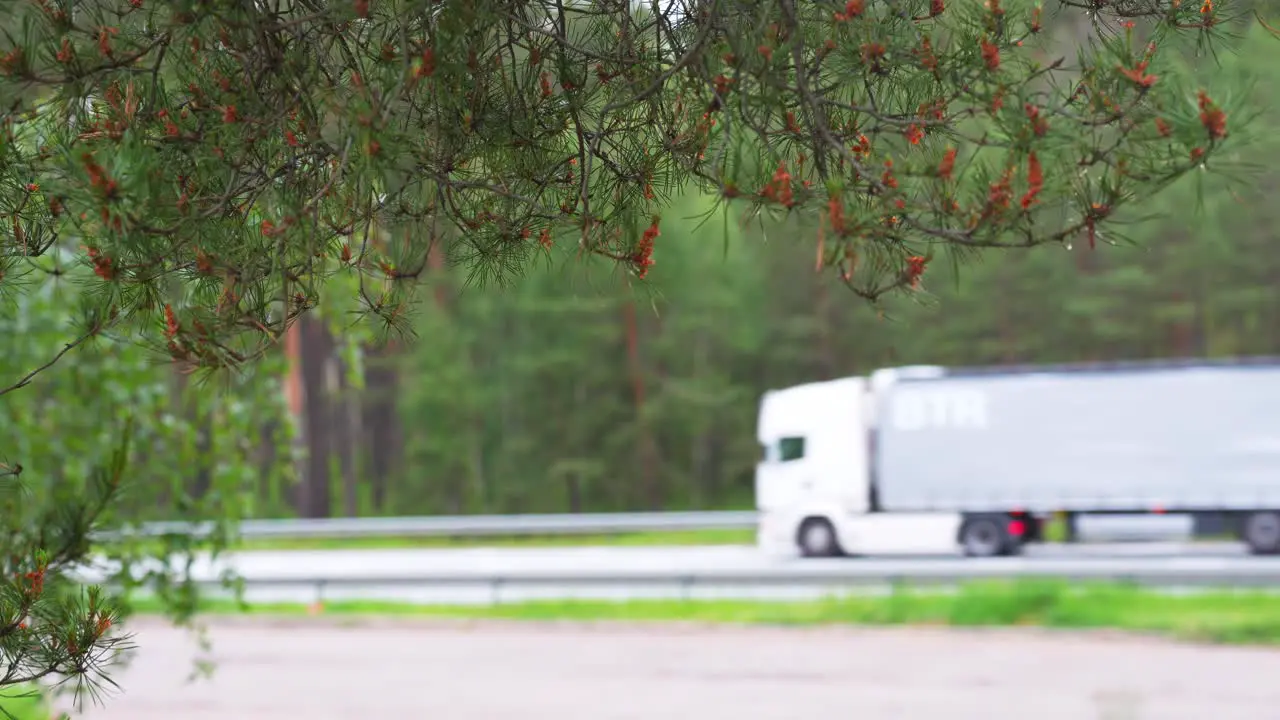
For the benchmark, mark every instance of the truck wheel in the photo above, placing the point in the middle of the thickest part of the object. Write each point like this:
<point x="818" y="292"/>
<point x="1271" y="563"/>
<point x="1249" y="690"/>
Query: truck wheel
<point x="817" y="538"/>
<point x="1261" y="532"/>
<point x="985" y="537"/>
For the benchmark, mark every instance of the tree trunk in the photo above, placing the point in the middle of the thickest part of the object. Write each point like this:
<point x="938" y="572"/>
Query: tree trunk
<point x="573" y="478"/>
<point x="317" y="376"/>
<point x="268" y="495"/>
<point x="828" y="365"/>
<point x="1008" y="334"/>
<point x="295" y="394"/>
<point x="177" y="406"/>
<point x="346" y="419"/>
<point x="1183" y="334"/>
<point x="381" y="422"/>
<point x="645" y="451"/>
<point x="205" y="453"/>
<point x="704" y="480"/>
<point x="476" y="466"/>
<point x="1202" y="329"/>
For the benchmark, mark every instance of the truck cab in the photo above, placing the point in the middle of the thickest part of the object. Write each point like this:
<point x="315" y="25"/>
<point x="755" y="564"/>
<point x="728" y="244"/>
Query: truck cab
<point x="813" y="468"/>
<point x="815" y="481"/>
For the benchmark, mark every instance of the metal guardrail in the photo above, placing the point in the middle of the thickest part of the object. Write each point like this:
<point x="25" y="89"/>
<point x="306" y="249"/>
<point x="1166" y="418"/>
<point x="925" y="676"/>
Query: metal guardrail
<point x="1254" y="573"/>
<point x="463" y="525"/>
<point x="1095" y="527"/>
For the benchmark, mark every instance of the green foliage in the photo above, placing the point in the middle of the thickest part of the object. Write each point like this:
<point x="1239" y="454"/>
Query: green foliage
<point x="219" y="163"/>
<point x="192" y="454"/>
<point x="23" y="703"/>
<point x="498" y="365"/>
<point x="49" y="626"/>
<point x="524" y="398"/>
<point x="64" y="424"/>
<point x="540" y="371"/>
<point x="182" y="180"/>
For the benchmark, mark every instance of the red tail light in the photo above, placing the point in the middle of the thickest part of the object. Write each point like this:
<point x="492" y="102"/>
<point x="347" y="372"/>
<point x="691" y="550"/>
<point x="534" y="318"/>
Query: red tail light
<point x="1017" y="528"/>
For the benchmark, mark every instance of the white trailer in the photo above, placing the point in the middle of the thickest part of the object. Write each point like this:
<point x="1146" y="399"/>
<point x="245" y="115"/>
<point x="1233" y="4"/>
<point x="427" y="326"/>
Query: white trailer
<point x="928" y="458"/>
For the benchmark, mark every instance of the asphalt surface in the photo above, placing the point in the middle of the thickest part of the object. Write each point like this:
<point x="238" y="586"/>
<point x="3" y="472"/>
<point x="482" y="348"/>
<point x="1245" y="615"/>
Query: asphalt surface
<point x="319" y="670"/>
<point x="371" y="566"/>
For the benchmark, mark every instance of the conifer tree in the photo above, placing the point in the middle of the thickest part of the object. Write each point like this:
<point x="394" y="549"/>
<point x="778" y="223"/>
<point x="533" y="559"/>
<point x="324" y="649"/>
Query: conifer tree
<point x="216" y="163"/>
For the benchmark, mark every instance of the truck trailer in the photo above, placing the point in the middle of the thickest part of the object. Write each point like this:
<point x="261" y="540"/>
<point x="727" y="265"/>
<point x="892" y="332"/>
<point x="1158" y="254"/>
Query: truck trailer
<point x="929" y="457"/>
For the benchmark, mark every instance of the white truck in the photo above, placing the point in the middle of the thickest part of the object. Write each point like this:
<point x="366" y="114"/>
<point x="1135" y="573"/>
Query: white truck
<point x="931" y="458"/>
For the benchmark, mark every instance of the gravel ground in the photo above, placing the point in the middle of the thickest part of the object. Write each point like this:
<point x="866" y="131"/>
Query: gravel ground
<point x="320" y="669"/>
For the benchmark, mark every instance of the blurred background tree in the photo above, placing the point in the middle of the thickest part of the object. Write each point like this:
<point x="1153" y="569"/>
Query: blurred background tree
<point x="227" y="185"/>
<point x="218" y="163"/>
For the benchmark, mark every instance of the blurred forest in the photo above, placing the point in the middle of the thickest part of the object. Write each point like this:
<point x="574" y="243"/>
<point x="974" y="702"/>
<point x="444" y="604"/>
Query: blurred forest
<point x="575" y="389"/>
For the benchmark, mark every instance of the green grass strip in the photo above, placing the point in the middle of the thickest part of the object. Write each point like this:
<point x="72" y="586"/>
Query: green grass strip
<point x="1223" y="616"/>
<point x="24" y="703"/>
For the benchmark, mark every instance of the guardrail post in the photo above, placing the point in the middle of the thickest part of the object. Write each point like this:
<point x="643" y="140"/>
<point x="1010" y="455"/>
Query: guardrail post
<point x="686" y="588"/>
<point x="317" y="606"/>
<point x="495" y="596"/>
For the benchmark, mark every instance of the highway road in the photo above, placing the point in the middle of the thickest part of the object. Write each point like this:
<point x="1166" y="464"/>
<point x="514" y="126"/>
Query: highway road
<point x="371" y="565"/>
<point x="320" y="670"/>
